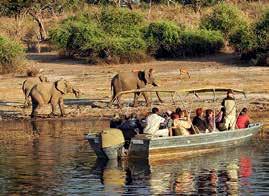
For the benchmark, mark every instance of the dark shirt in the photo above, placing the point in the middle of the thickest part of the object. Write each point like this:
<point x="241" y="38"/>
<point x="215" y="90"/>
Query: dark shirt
<point x="200" y="123"/>
<point x="129" y="128"/>
<point x="115" y="123"/>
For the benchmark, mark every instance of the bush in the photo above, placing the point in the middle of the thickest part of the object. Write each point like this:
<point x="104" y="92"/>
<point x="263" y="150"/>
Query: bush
<point x="116" y="35"/>
<point x="121" y="22"/>
<point x="243" y="39"/>
<point x="223" y="18"/>
<point x="162" y="38"/>
<point x="262" y="31"/>
<point x="200" y="42"/>
<point x="11" y="55"/>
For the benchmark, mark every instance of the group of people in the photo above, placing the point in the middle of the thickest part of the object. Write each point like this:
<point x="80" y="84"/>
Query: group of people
<point x="179" y="122"/>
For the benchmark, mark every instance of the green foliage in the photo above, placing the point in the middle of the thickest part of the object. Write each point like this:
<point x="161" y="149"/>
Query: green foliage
<point x="223" y="18"/>
<point x="121" y="22"/>
<point x="262" y="30"/>
<point x="162" y="38"/>
<point x="117" y="34"/>
<point x="200" y="42"/>
<point x="252" y="41"/>
<point x="243" y="39"/>
<point x="11" y="55"/>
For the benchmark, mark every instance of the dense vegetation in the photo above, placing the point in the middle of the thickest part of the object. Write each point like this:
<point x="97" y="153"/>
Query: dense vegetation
<point x="107" y="33"/>
<point x="123" y="35"/>
<point x="11" y="55"/>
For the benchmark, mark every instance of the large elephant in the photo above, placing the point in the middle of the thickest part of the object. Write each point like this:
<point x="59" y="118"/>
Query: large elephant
<point x="133" y="80"/>
<point x="27" y="86"/>
<point x="51" y="92"/>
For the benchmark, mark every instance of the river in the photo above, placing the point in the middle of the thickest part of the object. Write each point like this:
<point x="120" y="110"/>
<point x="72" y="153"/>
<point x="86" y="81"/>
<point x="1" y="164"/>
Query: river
<point x="52" y="158"/>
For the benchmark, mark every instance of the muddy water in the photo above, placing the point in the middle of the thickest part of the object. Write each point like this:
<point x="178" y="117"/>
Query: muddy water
<point x="51" y="158"/>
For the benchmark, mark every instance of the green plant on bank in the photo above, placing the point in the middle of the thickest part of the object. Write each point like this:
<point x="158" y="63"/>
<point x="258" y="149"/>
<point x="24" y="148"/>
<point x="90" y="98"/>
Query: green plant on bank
<point x="115" y="35"/>
<point x="243" y="39"/>
<point x="162" y="38"/>
<point x="262" y="30"/>
<point x="224" y="18"/>
<point x="252" y="41"/>
<point x="11" y="55"/>
<point x="200" y="42"/>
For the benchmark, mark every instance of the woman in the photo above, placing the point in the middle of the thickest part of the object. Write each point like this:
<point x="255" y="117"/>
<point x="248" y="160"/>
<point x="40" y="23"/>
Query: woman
<point x="243" y="119"/>
<point x="209" y="118"/>
<point x="181" y="124"/>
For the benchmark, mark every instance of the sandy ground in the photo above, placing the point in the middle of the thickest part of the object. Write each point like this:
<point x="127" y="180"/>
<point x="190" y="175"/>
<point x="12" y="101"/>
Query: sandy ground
<point x="223" y="70"/>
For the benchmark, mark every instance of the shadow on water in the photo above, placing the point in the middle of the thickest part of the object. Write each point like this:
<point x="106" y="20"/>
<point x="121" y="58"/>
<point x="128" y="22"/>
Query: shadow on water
<point x="52" y="157"/>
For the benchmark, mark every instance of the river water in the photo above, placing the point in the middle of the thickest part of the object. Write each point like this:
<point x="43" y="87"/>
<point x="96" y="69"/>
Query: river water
<point x="52" y="158"/>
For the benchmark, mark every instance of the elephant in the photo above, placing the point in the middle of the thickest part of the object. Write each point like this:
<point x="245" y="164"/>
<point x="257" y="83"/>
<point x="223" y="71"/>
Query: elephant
<point x="130" y="81"/>
<point x="51" y="92"/>
<point x="27" y="86"/>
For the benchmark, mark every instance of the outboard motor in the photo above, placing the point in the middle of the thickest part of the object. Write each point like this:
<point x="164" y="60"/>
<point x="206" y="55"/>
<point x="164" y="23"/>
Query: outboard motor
<point x="112" y="141"/>
<point x="108" y="144"/>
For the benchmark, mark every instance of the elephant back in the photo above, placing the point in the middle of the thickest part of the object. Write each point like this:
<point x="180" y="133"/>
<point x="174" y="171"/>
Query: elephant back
<point x="45" y="89"/>
<point x="30" y="83"/>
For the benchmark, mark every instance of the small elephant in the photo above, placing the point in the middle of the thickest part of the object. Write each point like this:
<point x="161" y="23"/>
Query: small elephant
<point x="27" y="86"/>
<point x="51" y="92"/>
<point x="133" y="80"/>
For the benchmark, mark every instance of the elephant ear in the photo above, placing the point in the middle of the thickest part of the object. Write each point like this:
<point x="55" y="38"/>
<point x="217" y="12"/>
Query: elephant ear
<point x="149" y="75"/>
<point x="61" y="86"/>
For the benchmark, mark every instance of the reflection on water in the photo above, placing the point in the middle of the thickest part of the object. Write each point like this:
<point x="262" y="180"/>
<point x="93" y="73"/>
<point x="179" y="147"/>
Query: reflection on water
<point x="55" y="159"/>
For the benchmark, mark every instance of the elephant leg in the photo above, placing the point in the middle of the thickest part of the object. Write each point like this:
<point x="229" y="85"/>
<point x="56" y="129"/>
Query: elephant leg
<point x="160" y="100"/>
<point x="136" y="96"/>
<point x="61" y="106"/>
<point x="148" y="102"/>
<point x="27" y="101"/>
<point x="53" y="104"/>
<point x="35" y="107"/>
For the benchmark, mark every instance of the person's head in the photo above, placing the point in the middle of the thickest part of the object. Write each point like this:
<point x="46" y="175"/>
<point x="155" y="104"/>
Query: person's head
<point x="133" y="115"/>
<point x="244" y="111"/>
<point x="230" y="93"/>
<point x="199" y="112"/>
<point x="209" y="113"/>
<point x="181" y="114"/>
<point x="174" y="116"/>
<point x="178" y="110"/>
<point x="126" y="116"/>
<point x="155" y="110"/>
<point x="116" y="116"/>
<point x="168" y="112"/>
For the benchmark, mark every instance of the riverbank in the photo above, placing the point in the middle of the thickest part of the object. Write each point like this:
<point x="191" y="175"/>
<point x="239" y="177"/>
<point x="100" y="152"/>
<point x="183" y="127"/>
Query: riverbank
<point x="223" y="70"/>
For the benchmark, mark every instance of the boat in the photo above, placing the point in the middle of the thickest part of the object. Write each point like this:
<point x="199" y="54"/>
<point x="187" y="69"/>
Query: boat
<point x="144" y="146"/>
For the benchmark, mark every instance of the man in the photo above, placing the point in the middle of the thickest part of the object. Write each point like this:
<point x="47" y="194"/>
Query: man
<point x="154" y="121"/>
<point x="230" y="110"/>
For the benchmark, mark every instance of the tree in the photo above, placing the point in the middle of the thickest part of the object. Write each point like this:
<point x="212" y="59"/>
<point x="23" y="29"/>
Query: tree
<point x="37" y="9"/>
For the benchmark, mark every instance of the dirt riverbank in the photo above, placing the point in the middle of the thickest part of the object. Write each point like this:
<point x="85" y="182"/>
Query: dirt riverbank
<point x="223" y="70"/>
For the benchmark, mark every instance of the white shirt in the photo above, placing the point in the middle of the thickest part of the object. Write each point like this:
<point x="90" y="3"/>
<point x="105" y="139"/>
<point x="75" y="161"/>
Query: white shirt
<point x="153" y="123"/>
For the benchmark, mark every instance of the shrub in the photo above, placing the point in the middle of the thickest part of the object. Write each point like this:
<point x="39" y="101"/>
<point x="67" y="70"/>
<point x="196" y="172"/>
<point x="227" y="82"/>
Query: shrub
<point x="11" y="55"/>
<point x="162" y="38"/>
<point x="243" y="39"/>
<point x="223" y="18"/>
<point x="115" y="35"/>
<point x="200" y="42"/>
<point x="262" y="31"/>
<point x="121" y="22"/>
